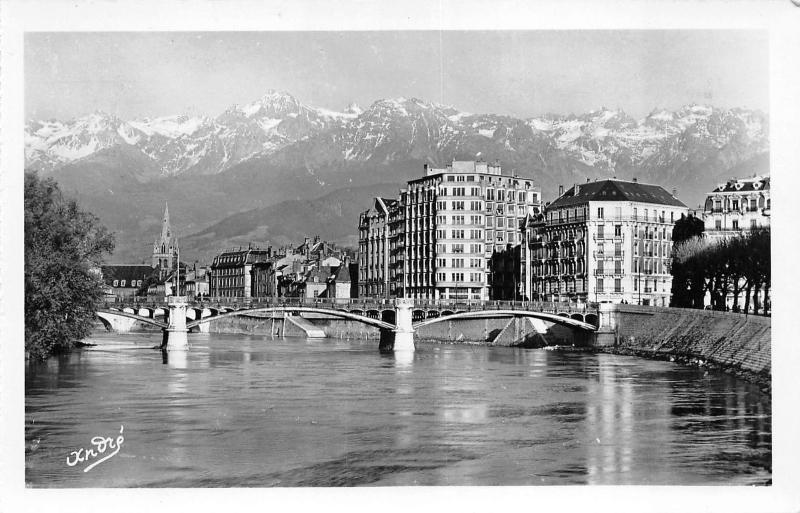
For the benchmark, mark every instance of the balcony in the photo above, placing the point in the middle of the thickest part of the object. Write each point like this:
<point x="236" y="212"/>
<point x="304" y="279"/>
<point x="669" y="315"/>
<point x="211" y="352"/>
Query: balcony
<point x="570" y="220"/>
<point x="600" y="255"/>
<point x="609" y="272"/>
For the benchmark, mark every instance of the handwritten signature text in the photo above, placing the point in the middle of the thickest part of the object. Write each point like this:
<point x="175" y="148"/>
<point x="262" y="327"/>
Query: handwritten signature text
<point x="100" y="446"/>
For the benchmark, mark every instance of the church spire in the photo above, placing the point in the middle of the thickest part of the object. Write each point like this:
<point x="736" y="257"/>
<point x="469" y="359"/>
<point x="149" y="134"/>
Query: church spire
<point x="166" y="230"/>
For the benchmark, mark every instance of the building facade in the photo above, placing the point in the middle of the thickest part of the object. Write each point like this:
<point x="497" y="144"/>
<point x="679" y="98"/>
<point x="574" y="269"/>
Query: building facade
<point x="165" y="248"/>
<point x="737" y="206"/>
<point x="231" y="273"/>
<point x="437" y="240"/>
<point x="603" y="241"/>
<point x="123" y="280"/>
<point x="374" y="249"/>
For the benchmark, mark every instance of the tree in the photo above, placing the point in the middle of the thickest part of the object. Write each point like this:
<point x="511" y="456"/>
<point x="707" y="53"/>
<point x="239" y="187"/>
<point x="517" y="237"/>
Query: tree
<point x="687" y="278"/>
<point x="63" y="252"/>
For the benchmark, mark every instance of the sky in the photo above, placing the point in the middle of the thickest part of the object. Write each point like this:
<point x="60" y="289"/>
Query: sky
<point x="516" y="73"/>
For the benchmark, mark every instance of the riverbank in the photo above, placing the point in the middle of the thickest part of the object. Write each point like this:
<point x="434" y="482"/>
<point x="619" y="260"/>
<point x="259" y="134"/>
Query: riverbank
<point x="737" y="344"/>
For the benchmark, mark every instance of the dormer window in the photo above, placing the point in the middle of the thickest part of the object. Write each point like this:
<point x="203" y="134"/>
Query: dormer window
<point x="739" y="186"/>
<point x="756" y="185"/>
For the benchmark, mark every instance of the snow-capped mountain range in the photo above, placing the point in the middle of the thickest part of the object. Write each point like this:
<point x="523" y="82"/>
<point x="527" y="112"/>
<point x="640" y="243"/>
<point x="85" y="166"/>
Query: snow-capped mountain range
<point x="274" y="155"/>
<point x="392" y="129"/>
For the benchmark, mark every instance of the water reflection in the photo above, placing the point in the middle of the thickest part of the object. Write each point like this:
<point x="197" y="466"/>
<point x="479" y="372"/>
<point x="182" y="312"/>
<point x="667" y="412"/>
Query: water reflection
<point x="248" y="411"/>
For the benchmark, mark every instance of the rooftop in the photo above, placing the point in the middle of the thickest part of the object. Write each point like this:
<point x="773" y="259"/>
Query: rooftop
<point x="755" y="183"/>
<point x="616" y="190"/>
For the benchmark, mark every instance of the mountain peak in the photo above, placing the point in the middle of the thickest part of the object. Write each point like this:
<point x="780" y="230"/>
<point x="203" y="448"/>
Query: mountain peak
<point x="353" y="108"/>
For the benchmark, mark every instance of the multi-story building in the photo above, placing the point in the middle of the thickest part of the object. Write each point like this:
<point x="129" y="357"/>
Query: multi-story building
<point x="456" y="218"/>
<point x="231" y="272"/>
<point x="439" y="238"/>
<point x="739" y="205"/>
<point x="375" y="249"/>
<point x="124" y="280"/>
<point x="606" y="241"/>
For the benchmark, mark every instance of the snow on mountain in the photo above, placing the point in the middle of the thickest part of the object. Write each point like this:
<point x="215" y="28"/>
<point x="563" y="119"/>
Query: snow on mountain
<point x="169" y="126"/>
<point x="396" y="129"/>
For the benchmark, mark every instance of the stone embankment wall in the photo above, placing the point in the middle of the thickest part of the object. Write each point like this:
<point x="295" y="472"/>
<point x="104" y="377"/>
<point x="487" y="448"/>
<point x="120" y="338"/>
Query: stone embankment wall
<point x="736" y="343"/>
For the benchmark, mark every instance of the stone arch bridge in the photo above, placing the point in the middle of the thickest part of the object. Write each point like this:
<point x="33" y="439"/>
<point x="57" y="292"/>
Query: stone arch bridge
<point x="399" y="317"/>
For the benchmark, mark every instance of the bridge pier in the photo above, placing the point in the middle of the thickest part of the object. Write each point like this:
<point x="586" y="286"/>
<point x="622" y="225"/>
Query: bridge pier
<point x="404" y="332"/>
<point x="175" y="336"/>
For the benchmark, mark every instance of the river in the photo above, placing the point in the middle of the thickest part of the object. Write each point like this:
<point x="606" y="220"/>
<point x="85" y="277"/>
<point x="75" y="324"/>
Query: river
<point x="239" y="411"/>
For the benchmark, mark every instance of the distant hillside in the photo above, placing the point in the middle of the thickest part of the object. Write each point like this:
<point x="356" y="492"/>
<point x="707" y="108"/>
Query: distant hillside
<point x="334" y="217"/>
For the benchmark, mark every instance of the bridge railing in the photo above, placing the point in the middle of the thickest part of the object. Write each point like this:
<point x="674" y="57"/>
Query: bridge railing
<point x="363" y="304"/>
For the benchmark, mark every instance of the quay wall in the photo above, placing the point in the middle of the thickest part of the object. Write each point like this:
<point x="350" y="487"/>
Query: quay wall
<point x="736" y="343"/>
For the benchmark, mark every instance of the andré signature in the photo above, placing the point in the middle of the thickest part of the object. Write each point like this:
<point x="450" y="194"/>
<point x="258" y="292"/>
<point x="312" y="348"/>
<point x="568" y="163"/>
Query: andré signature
<point x="101" y="444"/>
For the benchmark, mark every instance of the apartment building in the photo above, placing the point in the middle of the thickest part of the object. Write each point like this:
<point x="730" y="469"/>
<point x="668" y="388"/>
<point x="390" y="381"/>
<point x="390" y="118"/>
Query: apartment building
<point x="437" y="240"/>
<point x="231" y="273"/>
<point x="375" y="249"/>
<point x="604" y="241"/>
<point x="739" y="205"/>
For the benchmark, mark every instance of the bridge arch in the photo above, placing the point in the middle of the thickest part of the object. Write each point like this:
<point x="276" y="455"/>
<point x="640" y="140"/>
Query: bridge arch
<point x="299" y="309"/>
<point x="106" y="317"/>
<point x="563" y="318"/>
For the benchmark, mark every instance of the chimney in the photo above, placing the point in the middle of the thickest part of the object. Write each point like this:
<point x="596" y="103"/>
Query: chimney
<point x="674" y="192"/>
<point x="560" y="190"/>
<point x="635" y="180"/>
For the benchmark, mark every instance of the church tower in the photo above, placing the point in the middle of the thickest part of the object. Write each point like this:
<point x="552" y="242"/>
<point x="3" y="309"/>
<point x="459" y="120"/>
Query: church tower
<point x="165" y="247"/>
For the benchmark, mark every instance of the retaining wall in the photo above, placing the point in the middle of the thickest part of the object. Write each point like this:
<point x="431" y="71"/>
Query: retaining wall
<point x="734" y="342"/>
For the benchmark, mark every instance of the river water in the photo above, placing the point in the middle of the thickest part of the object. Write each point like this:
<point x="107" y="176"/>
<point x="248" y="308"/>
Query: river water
<point x="254" y="411"/>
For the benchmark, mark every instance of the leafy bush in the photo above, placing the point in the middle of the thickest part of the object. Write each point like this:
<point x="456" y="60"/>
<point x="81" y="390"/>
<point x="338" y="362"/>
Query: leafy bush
<point x="63" y="251"/>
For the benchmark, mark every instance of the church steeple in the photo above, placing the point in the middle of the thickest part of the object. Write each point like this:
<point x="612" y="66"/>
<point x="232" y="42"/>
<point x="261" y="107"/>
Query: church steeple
<point x="166" y="230"/>
<point x="165" y="247"/>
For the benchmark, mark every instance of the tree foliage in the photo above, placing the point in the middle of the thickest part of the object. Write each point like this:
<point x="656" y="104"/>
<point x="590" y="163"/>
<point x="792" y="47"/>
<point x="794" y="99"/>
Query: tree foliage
<point x="63" y="251"/>
<point x="723" y="268"/>
<point x="686" y="279"/>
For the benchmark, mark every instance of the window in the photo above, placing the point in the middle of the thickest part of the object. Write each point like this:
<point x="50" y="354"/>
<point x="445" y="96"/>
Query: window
<point x="458" y="234"/>
<point x="600" y="285"/>
<point x="618" y="230"/>
<point x="122" y="283"/>
<point x="617" y="285"/>
<point x="600" y="212"/>
<point x="601" y="231"/>
<point x="672" y="217"/>
<point x="458" y="248"/>
<point x="718" y="224"/>
<point x="458" y="205"/>
<point x="646" y="214"/>
<point x="753" y="224"/>
<point x="116" y="283"/>
<point x="735" y="223"/>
